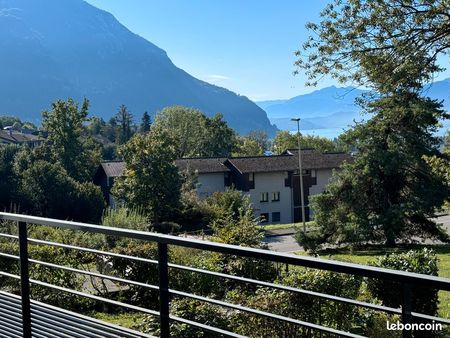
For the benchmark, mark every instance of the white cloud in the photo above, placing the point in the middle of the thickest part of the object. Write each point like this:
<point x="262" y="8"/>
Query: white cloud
<point x="216" y="78"/>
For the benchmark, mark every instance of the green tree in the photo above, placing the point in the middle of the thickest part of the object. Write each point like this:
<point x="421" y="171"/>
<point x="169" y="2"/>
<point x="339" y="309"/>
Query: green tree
<point x="145" y="123"/>
<point x="285" y="140"/>
<point x="65" y="141"/>
<point x="151" y="180"/>
<point x="441" y="164"/>
<point x="364" y="41"/>
<point x="186" y="126"/>
<point x="389" y="191"/>
<point x="6" y="121"/>
<point x="260" y="137"/>
<point x="9" y="182"/>
<point x="51" y="192"/>
<point x="124" y="120"/>
<point x="247" y="147"/>
<point x="220" y="138"/>
<point x="195" y="134"/>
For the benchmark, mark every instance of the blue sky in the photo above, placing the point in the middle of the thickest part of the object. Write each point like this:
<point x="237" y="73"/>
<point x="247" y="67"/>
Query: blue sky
<point x="245" y="46"/>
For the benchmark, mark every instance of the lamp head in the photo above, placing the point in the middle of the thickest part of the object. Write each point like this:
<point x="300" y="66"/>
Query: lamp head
<point x="295" y="119"/>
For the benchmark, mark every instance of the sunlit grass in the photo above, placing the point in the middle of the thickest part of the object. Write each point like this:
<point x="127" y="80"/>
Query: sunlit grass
<point x="371" y="254"/>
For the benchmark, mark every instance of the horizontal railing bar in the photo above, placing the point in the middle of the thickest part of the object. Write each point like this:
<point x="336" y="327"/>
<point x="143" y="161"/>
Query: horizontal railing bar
<point x="129" y="306"/>
<point x="218" y="274"/>
<point x="99" y="252"/>
<point x="241" y="279"/>
<point x="266" y="314"/>
<point x="205" y="299"/>
<point x="83" y="294"/>
<point x="206" y="327"/>
<point x="8" y="236"/>
<point x="311" y="262"/>
<point x="94" y="274"/>
<point x="291" y="289"/>
<point x="78" y="319"/>
<point x="2" y="254"/>
<point x="375" y="307"/>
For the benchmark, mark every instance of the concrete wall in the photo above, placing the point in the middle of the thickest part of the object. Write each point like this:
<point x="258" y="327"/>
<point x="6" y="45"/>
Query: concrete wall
<point x="323" y="177"/>
<point x="210" y="183"/>
<point x="272" y="182"/>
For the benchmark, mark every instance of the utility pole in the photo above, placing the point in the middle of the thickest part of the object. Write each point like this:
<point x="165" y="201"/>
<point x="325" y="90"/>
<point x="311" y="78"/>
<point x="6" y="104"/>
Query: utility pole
<point x="302" y="197"/>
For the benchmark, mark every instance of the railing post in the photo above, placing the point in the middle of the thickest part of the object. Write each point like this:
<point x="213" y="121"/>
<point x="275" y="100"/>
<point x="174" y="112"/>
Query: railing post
<point x="163" y="290"/>
<point x="24" y="280"/>
<point x="406" y="308"/>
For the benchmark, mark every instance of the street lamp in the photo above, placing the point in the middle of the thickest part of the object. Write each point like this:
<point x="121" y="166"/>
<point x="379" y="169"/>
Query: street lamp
<point x="302" y="197"/>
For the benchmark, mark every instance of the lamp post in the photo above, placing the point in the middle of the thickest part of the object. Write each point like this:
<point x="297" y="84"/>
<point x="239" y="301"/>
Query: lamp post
<point x="302" y="197"/>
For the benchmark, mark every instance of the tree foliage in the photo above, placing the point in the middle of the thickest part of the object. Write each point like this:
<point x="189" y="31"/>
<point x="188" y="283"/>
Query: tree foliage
<point x="78" y="155"/>
<point x="389" y="191"/>
<point x="145" y="123"/>
<point x="124" y="121"/>
<point x="247" y="147"/>
<point x="424" y="261"/>
<point x="50" y="192"/>
<point x="285" y="140"/>
<point x="363" y="41"/>
<point x="194" y="134"/>
<point x="151" y="180"/>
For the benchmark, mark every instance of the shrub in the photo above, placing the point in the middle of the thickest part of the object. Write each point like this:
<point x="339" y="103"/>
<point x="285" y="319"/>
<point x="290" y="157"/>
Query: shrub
<point x="194" y="310"/>
<point x="137" y="271"/>
<point x="300" y="306"/>
<point x="425" y="300"/>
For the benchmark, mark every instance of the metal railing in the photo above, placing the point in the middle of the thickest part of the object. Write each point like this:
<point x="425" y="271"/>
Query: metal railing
<point x="405" y="279"/>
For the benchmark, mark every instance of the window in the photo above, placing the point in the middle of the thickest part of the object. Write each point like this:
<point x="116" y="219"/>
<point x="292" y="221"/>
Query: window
<point x="264" y="217"/>
<point x="275" y="196"/>
<point x="264" y="197"/>
<point x="276" y="216"/>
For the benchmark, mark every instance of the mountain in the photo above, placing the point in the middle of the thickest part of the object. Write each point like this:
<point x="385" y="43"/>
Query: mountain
<point x="54" y="49"/>
<point x="334" y="108"/>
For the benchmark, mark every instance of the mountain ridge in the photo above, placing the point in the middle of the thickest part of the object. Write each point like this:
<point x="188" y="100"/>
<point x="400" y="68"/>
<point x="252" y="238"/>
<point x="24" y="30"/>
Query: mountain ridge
<point x="59" y="49"/>
<point x="334" y="107"/>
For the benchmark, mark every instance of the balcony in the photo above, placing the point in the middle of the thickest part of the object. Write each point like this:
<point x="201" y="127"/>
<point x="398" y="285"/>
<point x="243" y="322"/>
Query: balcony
<point x="24" y="317"/>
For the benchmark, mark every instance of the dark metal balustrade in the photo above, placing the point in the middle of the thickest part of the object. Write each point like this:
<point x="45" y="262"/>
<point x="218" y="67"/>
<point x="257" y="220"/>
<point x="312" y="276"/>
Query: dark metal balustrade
<point x="33" y="324"/>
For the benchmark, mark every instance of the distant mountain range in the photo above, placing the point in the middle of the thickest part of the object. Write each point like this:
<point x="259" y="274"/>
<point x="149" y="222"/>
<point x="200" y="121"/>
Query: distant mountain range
<point x="333" y="108"/>
<point x="53" y="49"/>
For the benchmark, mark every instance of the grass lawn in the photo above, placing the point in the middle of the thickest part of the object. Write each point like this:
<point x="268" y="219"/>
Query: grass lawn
<point x="128" y="320"/>
<point x="371" y="254"/>
<point x="285" y="226"/>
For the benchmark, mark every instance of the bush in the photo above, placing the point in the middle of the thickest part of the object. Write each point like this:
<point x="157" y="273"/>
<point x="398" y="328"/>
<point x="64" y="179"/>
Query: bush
<point x="125" y="218"/>
<point x="137" y="271"/>
<point x="425" y="300"/>
<point x="194" y="310"/>
<point x="300" y="306"/>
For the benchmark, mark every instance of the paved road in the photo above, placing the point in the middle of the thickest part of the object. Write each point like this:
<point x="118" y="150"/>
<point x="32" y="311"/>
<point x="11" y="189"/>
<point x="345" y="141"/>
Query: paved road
<point x="288" y="243"/>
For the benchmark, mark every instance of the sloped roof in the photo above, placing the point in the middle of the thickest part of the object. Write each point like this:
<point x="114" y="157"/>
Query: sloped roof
<point x="288" y="161"/>
<point x="113" y="168"/>
<point x="203" y="165"/>
<point x="16" y="137"/>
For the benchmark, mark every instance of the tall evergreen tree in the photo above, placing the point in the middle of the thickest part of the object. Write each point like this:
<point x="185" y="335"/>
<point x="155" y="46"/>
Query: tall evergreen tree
<point x="389" y="191"/>
<point x="124" y="120"/>
<point x="145" y="123"/>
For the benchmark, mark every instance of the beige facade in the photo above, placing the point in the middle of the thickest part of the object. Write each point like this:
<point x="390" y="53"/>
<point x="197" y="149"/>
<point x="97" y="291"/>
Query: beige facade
<point x="277" y="207"/>
<point x="209" y="183"/>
